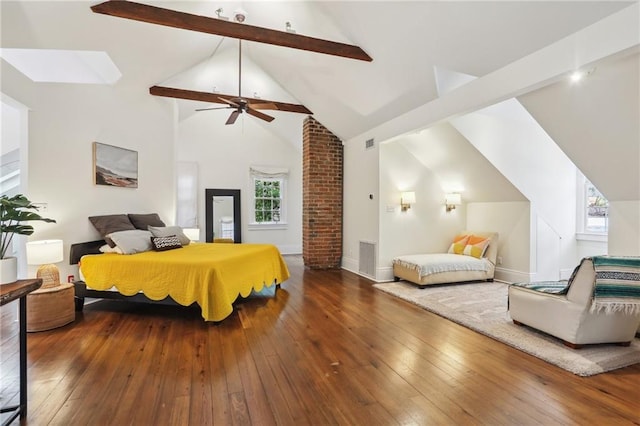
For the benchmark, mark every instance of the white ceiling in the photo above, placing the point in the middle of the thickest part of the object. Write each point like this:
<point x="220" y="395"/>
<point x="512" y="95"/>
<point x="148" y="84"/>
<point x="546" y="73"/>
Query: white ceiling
<point x="407" y="40"/>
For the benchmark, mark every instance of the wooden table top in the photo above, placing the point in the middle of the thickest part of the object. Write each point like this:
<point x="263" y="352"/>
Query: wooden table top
<point x="13" y="291"/>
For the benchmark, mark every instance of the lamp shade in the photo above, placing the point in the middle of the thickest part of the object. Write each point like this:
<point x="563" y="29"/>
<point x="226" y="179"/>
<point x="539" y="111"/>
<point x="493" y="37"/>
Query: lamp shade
<point x="453" y="199"/>
<point x="408" y="197"/>
<point x="44" y="252"/>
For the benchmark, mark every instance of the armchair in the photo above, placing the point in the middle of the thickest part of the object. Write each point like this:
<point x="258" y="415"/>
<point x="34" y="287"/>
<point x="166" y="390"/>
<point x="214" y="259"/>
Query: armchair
<point x="599" y="304"/>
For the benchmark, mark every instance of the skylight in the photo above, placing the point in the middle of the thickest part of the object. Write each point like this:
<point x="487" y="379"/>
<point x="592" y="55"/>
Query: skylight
<point x="63" y="66"/>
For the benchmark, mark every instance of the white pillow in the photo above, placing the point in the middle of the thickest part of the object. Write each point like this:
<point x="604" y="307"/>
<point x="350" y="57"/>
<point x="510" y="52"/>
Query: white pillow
<point x="134" y="241"/>
<point x="108" y="249"/>
<point x="167" y="231"/>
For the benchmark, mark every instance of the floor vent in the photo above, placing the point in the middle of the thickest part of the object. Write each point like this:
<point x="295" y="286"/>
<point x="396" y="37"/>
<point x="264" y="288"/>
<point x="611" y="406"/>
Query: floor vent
<point x="367" y="259"/>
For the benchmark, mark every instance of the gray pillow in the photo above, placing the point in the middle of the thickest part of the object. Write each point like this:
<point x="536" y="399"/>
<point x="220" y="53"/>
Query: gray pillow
<point x="134" y="241"/>
<point x="107" y="224"/>
<point x="143" y="221"/>
<point x="168" y="231"/>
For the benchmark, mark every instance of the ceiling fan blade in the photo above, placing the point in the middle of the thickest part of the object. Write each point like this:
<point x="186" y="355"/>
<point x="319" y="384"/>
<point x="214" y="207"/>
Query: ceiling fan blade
<point x="233" y="117"/>
<point x="211" y="109"/>
<point x="263" y="105"/>
<point x="227" y="101"/>
<point x="217" y="98"/>
<point x="259" y="115"/>
<point x="277" y="106"/>
<point x="205" y="24"/>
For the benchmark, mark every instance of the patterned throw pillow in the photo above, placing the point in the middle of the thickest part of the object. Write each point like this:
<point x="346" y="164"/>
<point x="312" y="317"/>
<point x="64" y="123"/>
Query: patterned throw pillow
<point x="169" y="242"/>
<point x="476" y="246"/>
<point x="458" y="244"/>
<point x="165" y="231"/>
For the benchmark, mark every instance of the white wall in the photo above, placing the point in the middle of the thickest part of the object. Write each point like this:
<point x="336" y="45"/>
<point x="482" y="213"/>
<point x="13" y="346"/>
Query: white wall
<point x="586" y="248"/>
<point x="224" y="155"/>
<point x="597" y="123"/>
<point x="360" y="200"/>
<point x="512" y="221"/>
<point x="64" y="121"/>
<point x="10" y="138"/>
<point x="624" y="228"/>
<point x="424" y="228"/>
<point x="458" y="165"/>
<point x="522" y="151"/>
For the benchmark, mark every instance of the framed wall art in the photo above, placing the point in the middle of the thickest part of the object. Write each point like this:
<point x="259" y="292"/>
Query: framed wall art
<point x="114" y="166"/>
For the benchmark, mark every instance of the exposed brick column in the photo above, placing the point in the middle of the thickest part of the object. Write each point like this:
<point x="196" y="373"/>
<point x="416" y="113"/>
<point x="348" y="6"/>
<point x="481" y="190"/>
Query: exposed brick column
<point x="322" y="159"/>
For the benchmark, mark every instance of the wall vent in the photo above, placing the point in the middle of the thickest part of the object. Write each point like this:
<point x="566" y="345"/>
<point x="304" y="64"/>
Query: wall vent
<point x="367" y="259"/>
<point x="368" y="144"/>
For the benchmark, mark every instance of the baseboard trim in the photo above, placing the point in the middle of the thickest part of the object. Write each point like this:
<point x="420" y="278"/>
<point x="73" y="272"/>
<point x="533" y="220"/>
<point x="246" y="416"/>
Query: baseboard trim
<point x="384" y="274"/>
<point x="289" y="249"/>
<point x="513" y="276"/>
<point x="353" y="265"/>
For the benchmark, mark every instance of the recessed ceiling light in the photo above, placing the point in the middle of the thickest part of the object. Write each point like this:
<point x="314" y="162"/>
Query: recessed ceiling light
<point x="576" y="76"/>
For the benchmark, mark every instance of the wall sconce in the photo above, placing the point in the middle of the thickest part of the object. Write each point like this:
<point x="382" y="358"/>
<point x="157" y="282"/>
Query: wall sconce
<point x="452" y="200"/>
<point x="406" y="198"/>
<point x="45" y="253"/>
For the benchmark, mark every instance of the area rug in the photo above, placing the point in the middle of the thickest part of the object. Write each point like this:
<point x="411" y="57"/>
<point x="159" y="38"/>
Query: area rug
<point x="483" y="307"/>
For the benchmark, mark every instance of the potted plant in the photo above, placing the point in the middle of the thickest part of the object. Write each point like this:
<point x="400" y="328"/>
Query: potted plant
<point x="14" y="212"/>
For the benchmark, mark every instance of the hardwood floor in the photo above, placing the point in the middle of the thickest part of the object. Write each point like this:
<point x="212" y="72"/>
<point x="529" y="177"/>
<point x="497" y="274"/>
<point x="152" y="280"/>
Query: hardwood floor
<point x="327" y="349"/>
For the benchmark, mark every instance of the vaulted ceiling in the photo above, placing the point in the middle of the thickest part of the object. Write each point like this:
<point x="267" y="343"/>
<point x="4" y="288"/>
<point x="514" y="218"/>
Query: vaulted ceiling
<point x="407" y="41"/>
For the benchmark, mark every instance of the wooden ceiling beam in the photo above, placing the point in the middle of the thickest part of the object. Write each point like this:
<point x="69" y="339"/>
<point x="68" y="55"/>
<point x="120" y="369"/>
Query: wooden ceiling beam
<point x="172" y="18"/>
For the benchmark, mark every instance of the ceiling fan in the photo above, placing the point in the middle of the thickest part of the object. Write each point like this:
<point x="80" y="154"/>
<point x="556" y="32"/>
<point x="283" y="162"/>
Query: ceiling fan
<point x="239" y="104"/>
<point x="205" y="24"/>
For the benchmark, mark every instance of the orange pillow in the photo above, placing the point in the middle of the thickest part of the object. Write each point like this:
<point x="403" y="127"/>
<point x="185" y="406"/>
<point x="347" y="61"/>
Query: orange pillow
<point x="476" y="246"/>
<point x="459" y="243"/>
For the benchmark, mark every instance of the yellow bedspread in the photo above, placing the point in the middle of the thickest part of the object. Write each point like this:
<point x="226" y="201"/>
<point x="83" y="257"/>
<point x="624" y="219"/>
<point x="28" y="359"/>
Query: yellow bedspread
<point x="213" y="275"/>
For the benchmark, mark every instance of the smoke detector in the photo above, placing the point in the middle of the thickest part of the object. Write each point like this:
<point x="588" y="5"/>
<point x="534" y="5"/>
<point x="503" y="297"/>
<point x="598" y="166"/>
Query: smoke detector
<point x="239" y="15"/>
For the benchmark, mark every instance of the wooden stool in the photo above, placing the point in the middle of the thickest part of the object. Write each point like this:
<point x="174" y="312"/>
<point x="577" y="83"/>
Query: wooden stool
<point x="50" y="307"/>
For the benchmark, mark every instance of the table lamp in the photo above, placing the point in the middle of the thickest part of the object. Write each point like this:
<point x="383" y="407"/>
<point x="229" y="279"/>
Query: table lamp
<point x="45" y="253"/>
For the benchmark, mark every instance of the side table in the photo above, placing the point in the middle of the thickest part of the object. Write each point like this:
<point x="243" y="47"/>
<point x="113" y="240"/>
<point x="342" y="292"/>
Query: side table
<point x="51" y="307"/>
<point x="9" y="293"/>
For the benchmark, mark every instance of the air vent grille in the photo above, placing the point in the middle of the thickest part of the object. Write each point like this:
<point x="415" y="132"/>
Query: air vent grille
<point x="369" y="144"/>
<point x="367" y="259"/>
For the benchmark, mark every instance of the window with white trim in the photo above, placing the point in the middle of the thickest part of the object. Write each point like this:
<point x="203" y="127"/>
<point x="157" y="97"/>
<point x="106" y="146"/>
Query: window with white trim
<point x="268" y="204"/>
<point x="593" y="209"/>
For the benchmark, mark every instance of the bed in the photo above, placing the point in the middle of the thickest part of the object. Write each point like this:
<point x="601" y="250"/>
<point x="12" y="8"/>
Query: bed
<point x="209" y="274"/>
<point x="452" y="266"/>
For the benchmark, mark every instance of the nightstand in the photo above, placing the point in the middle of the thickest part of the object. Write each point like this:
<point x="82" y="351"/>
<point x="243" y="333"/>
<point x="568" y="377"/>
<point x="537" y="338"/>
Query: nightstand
<point x="50" y="307"/>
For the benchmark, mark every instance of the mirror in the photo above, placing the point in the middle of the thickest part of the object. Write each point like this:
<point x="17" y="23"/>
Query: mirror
<point x="222" y="212"/>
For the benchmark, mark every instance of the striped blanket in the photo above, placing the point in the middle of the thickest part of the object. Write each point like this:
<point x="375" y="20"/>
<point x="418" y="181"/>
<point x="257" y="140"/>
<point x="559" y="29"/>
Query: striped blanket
<point x="617" y="287"/>
<point x="553" y="287"/>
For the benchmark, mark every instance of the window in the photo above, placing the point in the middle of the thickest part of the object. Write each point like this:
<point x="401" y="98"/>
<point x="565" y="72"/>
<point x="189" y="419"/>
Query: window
<point x="268" y="200"/>
<point x="597" y="211"/>
<point x="268" y="196"/>
<point x="593" y="212"/>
